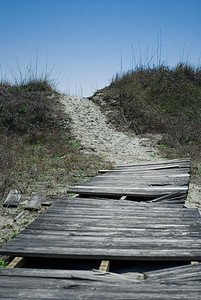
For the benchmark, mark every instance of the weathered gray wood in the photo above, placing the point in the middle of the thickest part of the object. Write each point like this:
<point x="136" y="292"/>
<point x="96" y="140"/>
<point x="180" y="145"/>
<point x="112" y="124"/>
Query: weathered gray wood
<point x="126" y="182"/>
<point x="120" y="191"/>
<point x="136" y="169"/>
<point x="107" y="254"/>
<point x="178" y="204"/>
<point x="165" y="197"/>
<point x="162" y="172"/>
<point x="34" y="202"/>
<point x="182" y="161"/>
<point x="100" y="229"/>
<point x="63" y="284"/>
<point x="176" y="275"/>
<point x="12" y="199"/>
<point x="140" y="178"/>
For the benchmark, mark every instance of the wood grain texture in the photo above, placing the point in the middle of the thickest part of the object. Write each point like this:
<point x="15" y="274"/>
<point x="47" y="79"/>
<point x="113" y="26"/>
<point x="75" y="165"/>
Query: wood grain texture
<point x="109" y="229"/>
<point x="71" y="284"/>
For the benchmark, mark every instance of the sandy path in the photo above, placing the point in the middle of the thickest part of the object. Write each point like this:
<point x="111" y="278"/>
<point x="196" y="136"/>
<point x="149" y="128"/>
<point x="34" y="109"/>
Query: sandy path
<point x="90" y="126"/>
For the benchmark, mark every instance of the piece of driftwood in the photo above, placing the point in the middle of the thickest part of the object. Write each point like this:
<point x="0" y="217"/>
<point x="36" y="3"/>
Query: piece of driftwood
<point x="34" y="203"/>
<point x="12" y="199"/>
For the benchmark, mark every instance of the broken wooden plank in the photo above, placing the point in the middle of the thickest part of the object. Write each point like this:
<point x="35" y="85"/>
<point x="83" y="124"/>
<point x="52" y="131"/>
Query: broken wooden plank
<point x="136" y="181"/>
<point x="80" y="284"/>
<point x="12" y="199"/>
<point x="165" y="197"/>
<point x="34" y="202"/>
<point x="141" y="169"/>
<point x="122" y="191"/>
<point x="176" y="275"/>
<point x="181" y="161"/>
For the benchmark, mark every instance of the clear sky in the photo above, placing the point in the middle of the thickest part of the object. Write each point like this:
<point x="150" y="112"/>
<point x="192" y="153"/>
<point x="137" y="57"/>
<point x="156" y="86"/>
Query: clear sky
<point x="85" y="42"/>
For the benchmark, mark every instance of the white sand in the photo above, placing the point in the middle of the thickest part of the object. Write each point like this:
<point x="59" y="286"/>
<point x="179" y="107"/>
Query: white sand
<point x="90" y="126"/>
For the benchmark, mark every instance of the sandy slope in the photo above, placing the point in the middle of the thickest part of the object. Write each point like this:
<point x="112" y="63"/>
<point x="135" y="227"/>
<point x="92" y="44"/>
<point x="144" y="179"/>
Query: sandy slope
<point x="90" y="126"/>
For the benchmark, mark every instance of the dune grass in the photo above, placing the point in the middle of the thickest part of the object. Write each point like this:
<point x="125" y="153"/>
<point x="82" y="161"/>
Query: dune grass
<point x="159" y="100"/>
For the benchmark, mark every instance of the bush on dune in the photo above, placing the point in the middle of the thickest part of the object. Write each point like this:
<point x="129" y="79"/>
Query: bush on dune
<point x="160" y="100"/>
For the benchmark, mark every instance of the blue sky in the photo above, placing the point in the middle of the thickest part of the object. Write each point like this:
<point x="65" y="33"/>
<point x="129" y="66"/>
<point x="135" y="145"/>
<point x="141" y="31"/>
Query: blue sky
<point x="85" y="42"/>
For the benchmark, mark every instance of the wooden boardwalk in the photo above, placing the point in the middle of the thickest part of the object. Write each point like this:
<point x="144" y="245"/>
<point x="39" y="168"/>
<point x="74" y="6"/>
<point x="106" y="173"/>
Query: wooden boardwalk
<point x="132" y="213"/>
<point x="110" y="229"/>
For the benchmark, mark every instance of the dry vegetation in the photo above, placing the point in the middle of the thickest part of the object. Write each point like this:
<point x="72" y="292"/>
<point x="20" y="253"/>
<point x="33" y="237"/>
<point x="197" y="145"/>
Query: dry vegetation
<point x="159" y="100"/>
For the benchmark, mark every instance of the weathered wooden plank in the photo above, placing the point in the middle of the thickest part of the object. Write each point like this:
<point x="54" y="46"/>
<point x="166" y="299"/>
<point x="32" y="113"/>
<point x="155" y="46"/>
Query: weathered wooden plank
<point x="80" y="212"/>
<point x="121" y="191"/>
<point x="34" y="203"/>
<point x="104" y="227"/>
<point x="136" y="182"/>
<point x="115" y="219"/>
<point x="129" y="242"/>
<point x="94" y="231"/>
<point x="176" y="275"/>
<point x="165" y="197"/>
<point x="162" y="172"/>
<point x="139" y="181"/>
<point x="78" y="291"/>
<point x="93" y="202"/>
<point x="182" y="161"/>
<point x="106" y="254"/>
<point x="12" y="199"/>
<point x="67" y="275"/>
<point x="138" y="168"/>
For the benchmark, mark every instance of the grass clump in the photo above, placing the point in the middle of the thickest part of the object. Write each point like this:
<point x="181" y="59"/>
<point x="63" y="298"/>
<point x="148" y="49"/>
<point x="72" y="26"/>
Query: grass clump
<point x="26" y="108"/>
<point x="159" y="100"/>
